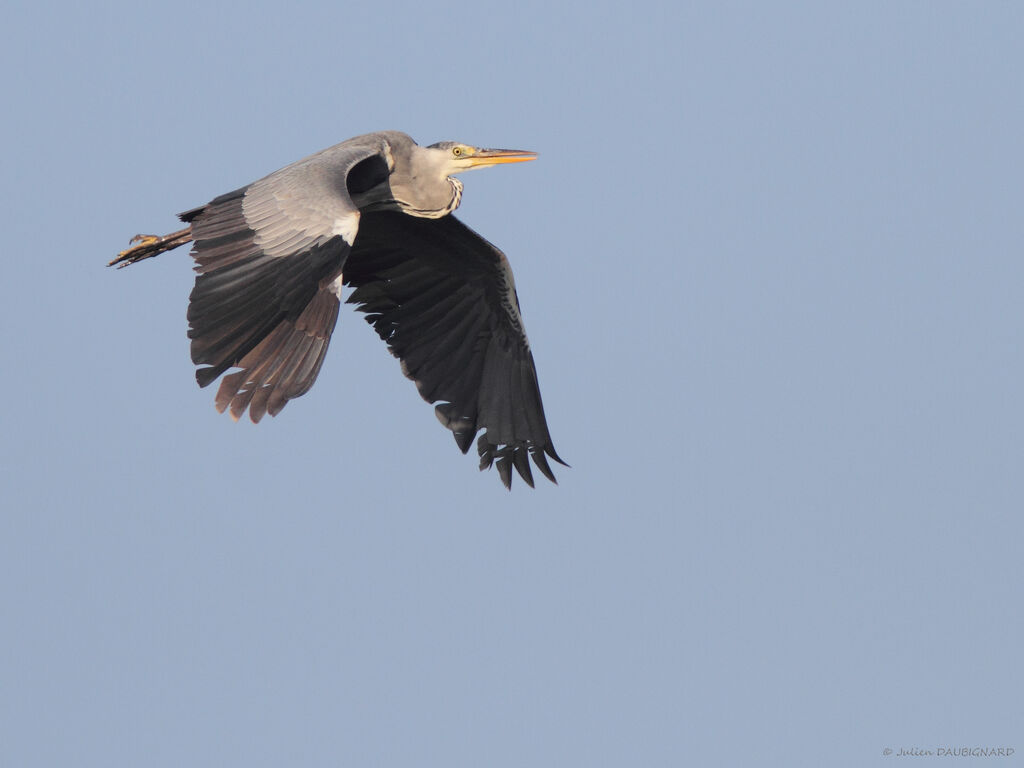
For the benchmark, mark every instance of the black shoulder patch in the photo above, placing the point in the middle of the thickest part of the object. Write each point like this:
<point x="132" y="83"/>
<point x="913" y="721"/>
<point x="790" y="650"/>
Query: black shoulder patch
<point x="367" y="174"/>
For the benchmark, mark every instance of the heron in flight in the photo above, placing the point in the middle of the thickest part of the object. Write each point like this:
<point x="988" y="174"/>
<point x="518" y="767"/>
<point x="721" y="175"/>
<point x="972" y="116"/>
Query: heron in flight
<point x="373" y="213"/>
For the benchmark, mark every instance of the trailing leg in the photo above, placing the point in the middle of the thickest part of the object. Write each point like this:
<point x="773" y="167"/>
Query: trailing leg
<point x="151" y="245"/>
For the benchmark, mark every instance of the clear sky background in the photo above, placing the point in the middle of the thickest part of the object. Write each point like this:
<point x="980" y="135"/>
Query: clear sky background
<point x="770" y="264"/>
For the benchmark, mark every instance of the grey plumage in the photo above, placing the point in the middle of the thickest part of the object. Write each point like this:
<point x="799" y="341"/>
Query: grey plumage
<point x="372" y="213"/>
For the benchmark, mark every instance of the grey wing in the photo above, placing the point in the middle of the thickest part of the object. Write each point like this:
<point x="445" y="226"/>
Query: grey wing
<point x="444" y="300"/>
<point x="269" y="258"/>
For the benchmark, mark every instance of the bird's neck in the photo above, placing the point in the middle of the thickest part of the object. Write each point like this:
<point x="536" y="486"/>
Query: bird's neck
<point x="456" y="194"/>
<point x="430" y="210"/>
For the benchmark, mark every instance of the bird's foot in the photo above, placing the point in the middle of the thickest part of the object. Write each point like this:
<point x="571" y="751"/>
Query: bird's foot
<point x="145" y="247"/>
<point x="143" y="239"/>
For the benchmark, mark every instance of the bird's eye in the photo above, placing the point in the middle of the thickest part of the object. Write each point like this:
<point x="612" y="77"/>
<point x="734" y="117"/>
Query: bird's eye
<point x="457" y="151"/>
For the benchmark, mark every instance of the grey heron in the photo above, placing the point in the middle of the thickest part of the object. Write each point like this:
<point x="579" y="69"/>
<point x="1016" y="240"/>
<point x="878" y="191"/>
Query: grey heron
<point x="372" y="213"/>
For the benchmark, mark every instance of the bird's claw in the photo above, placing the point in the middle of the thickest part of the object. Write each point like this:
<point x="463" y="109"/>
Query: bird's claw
<point x="138" y="251"/>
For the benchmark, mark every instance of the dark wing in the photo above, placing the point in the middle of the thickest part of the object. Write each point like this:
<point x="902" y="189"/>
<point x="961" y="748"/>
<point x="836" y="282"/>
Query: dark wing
<point x="444" y="300"/>
<point x="269" y="258"/>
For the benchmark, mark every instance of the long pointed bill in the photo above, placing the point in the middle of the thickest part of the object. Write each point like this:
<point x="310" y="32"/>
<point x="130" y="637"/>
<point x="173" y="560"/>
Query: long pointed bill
<point x="482" y="158"/>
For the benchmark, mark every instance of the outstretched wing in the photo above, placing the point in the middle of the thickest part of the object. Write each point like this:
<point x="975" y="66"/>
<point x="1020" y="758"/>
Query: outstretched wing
<point x="444" y="300"/>
<point x="269" y="258"/>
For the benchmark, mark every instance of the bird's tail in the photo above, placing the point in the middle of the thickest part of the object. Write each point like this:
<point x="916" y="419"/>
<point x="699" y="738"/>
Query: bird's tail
<point x="147" y="246"/>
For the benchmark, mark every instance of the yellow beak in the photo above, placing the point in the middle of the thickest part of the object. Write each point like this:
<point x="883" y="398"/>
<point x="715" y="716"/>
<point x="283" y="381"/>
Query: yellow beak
<point x="481" y="158"/>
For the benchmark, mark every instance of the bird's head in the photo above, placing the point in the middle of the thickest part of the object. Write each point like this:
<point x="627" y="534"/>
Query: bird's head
<point x="453" y="157"/>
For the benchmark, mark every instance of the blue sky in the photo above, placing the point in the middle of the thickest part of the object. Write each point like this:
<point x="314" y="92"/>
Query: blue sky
<point x="769" y="261"/>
